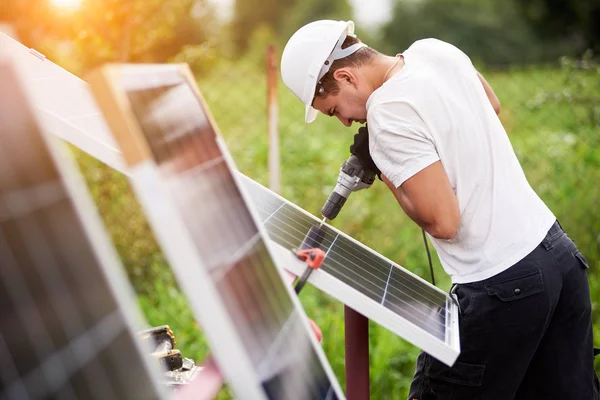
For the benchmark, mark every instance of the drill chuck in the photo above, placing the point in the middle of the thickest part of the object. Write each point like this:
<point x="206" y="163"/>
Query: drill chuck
<point x="352" y="177"/>
<point x="333" y="205"/>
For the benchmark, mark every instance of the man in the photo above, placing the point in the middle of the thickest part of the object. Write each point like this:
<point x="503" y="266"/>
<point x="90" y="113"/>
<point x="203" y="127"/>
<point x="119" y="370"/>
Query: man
<point x="435" y="139"/>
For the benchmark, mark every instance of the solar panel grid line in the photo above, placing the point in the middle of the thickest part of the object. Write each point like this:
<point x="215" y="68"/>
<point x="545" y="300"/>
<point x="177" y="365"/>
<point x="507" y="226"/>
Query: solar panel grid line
<point x="274" y="304"/>
<point x="103" y="333"/>
<point x="324" y="241"/>
<point x="9" y="374"/>
<point x="106" y="256"/>
<point x="350" y="270"/>
<point x="51" y="279"/>
<point x="59" y="358"/>
<point x="387" y="284"/>
<point x="309" y="217"/>
<point x="301" y="233"/>
<point x="39" y="338"/>
<point x="72" y="95"/>
<point x="219" y="271"/>
<point x="269" y="217"/>
<point x="392" y="270"/>
<point x="178" y="247"/>
<point x="221" y="186"/>
<point x="335" y="391"/>
<point x="271" y="355"/>
<point x="356" y="275"/>
<point x="366" y="306"/>
<point x="329" y="247"/>
<point x="81" y="138"/>
<point x="57" y="289"/>
<point x="397" y="290"/>
<point x="47" y="194"/>
<point x="358" y="267"/>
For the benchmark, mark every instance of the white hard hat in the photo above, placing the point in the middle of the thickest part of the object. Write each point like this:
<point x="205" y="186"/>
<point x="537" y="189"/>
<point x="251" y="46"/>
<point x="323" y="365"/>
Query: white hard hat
<point x="308" y="55"/>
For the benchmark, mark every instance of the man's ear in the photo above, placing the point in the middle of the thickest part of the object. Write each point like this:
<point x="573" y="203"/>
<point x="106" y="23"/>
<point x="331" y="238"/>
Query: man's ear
<point x="345" y="75"/>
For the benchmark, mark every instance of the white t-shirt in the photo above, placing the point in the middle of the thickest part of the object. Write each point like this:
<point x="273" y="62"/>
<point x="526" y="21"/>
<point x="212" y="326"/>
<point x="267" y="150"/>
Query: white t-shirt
<point x="435" y="108"/>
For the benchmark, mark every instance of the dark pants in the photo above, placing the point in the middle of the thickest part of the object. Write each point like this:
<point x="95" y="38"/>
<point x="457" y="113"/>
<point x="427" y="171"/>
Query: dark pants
<point x="526" y="333"/>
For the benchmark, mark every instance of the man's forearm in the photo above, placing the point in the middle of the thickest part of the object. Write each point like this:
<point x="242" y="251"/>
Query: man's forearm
<point x="405" y="203"/>
<point x="436" y="228"/>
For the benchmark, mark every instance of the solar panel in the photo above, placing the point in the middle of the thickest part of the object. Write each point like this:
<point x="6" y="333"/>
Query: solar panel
<point x="63" y="103"/>
<point x="66" y="313"/>
<point x="361" y="278"/>
<point x="182" y="174"/>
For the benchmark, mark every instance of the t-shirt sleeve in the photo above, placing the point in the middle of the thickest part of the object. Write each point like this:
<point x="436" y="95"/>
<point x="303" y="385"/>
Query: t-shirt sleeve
<point x="400" y="143"/>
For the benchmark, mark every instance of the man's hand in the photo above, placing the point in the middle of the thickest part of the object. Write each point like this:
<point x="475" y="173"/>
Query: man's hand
<point x="360" y="148"/>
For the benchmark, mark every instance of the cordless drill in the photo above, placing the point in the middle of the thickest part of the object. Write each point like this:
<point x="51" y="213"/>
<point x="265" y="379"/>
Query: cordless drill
<point x="353" y="176"/>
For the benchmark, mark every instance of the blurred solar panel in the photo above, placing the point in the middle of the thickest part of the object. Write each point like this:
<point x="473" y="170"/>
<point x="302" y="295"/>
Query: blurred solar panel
<point x="63" y="102"/>
<point x="66" y="316"/>
<point x="361" y="278"/>
<point x="181" y="173"/>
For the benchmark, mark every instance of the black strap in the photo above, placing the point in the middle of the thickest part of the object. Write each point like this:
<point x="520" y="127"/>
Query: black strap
<point x="428" y="257"/>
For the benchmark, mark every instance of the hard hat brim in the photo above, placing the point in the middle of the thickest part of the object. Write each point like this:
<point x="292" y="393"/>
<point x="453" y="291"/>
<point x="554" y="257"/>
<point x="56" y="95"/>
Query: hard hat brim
<point x="311" y="114"/>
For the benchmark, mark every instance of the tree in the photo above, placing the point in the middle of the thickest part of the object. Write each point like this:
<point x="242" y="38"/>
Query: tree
<point x="113" y="30"/>
<point x="311" y="10"/>
<point x="489" y="31"/>
<point x="252" y="14"/>
<point x="558" y="18"/>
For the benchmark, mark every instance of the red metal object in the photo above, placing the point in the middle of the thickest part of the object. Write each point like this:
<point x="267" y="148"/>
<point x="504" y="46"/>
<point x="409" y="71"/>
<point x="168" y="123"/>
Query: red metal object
<point x="312" y="257"/>
<point x="357" y="355"/>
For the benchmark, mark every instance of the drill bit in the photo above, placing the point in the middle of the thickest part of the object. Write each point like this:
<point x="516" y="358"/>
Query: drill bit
<point x="323" y="221"/>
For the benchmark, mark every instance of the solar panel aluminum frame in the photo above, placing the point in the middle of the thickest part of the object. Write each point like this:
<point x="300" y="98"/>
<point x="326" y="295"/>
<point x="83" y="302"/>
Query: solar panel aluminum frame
<point x="101" y="246"/>
<point x="446" y="352"/>
<point x="170" y="228"/>
<point x="63" y="103"/>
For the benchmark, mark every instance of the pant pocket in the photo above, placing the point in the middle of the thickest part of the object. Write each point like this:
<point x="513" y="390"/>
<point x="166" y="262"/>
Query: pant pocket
<point x="517" y="286"/>
<point x="577" y="254"/>
<point x="460" y="373"/>
<point x="461" y="381"/>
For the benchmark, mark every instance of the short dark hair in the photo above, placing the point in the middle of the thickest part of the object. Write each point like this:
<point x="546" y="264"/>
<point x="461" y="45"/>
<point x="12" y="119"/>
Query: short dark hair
<point x="328" y="85"/>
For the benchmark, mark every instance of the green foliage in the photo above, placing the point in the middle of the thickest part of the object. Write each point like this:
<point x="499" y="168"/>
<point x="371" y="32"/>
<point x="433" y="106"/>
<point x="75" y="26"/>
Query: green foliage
<point x="249" y="15"/>
<point x="307" y="11"/>
<point x="492" y="32"/>
<point x="556" y="19"/>
<point x="138" y="30"/>
<point x="580" y="89"/>
<point x="126" y="225"/>
<point x="111" y="30"/>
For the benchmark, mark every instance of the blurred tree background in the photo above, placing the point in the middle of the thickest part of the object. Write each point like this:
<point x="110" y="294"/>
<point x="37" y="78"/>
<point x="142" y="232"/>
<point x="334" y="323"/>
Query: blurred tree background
<point x="539" y="55"/>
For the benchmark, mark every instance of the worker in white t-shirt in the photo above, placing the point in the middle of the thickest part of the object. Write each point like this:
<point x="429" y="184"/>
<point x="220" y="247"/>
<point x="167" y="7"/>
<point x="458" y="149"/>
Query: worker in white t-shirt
<point x="435" y="139"/>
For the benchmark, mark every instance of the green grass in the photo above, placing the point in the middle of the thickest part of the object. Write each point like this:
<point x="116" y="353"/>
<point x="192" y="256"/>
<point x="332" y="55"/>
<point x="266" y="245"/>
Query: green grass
<point x="554" y="137"/>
